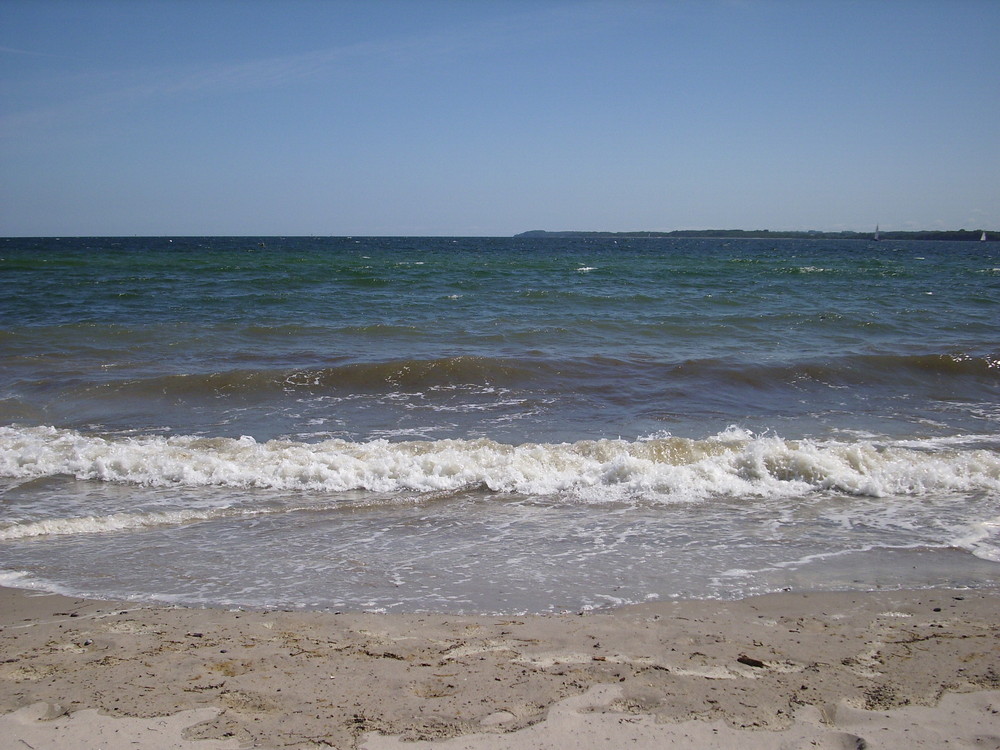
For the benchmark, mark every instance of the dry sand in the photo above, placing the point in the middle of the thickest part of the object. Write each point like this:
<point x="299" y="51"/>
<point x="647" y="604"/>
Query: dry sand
<point x="832" y="670"/>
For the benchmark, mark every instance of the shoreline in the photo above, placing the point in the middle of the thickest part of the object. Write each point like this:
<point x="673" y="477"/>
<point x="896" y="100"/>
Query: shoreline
<point x="885" y="667"/>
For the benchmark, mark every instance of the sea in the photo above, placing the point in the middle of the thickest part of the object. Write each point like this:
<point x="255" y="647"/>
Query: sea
<point x="496" y="425"/>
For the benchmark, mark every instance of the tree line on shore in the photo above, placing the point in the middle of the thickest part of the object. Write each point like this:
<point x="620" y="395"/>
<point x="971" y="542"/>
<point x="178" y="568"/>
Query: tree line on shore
<point x="948" y="235"/>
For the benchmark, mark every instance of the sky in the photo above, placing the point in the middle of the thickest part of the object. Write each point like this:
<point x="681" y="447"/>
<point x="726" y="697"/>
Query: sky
<point x="492" y="117"/>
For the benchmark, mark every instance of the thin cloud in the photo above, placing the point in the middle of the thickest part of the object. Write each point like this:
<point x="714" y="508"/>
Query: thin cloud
<point x="82" y="94"/>
<point x="93" y="92"/>
<point x="30" y="53"/>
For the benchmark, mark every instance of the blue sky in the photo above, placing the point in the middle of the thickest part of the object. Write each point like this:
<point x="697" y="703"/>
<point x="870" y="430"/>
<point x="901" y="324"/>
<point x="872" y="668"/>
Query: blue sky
<point x="448" y="117"/>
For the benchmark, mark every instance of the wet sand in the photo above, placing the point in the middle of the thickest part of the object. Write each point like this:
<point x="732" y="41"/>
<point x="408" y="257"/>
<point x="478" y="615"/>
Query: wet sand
<point x="794" y="670"/>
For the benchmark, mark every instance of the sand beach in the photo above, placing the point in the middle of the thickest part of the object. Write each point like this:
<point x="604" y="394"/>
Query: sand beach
<point x="790" y="670"/>
<point x="499" y="375"/>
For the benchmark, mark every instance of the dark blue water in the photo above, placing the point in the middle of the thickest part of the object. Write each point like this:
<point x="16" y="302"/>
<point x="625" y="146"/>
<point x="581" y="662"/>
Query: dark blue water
<point x="513" y="339"/>
<point x="671" y="416"/>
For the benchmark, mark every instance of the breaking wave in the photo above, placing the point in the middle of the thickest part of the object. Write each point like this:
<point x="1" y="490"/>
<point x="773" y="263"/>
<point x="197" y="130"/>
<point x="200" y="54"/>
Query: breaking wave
<point x="733" y="463"/>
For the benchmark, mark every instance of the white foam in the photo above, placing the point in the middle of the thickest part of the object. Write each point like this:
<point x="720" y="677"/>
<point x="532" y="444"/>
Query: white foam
<point x="732" y="463"/>
<point x="97" y="524"/>
<point x="982" y="539"/>
<point x="22" y="579"/>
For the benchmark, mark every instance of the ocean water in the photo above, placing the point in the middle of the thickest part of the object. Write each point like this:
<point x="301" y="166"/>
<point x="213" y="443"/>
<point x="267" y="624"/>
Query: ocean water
<point x="496" y="425"/>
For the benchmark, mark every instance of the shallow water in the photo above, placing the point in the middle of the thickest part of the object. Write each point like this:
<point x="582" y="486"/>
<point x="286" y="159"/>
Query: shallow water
<point x="496" y="424"/>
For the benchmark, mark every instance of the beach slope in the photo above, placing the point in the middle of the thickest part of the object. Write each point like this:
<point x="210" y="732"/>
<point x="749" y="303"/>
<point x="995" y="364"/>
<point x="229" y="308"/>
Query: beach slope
<point x="830" y="670"/>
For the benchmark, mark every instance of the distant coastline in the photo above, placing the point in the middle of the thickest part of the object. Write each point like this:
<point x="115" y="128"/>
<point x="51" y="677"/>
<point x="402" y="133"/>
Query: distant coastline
<point x="949" y="235"/>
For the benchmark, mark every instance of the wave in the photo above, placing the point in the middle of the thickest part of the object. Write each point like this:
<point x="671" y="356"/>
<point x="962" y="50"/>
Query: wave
<point x="855" y="369"/>
<point x="731" y="464"/>
<point x="98" y="524"/>
<point x="558" y="375"/>
<point x="354" y="377"/>
<point x="134" y="521"/>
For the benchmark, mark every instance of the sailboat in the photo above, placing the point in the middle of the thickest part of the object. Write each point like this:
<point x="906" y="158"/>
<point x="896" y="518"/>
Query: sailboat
<point x="876" y="232"/>
<point x="983" y="237"/>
